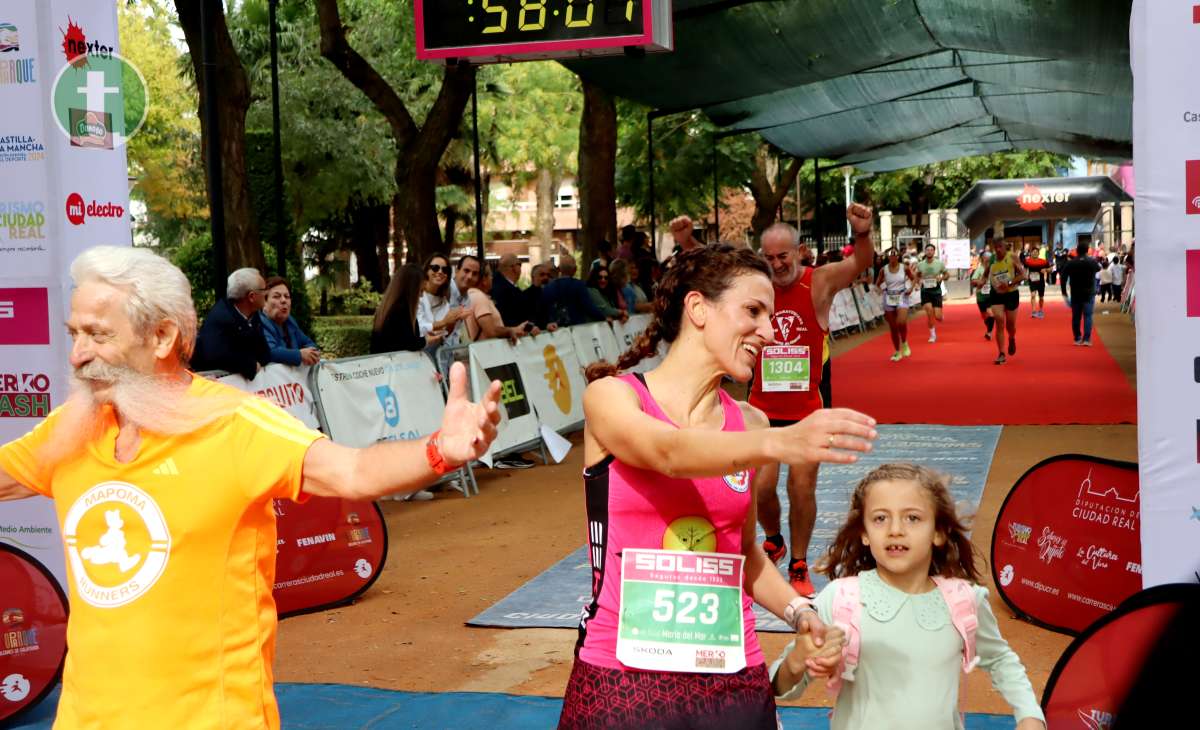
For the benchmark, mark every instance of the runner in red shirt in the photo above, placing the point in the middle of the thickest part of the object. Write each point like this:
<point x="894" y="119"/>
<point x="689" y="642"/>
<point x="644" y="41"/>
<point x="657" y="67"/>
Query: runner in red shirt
<point x="787" y="378"/>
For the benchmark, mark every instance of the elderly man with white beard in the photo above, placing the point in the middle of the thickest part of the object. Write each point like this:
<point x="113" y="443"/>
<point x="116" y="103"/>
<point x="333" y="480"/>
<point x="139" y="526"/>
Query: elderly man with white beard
<point x="163" y="483"/>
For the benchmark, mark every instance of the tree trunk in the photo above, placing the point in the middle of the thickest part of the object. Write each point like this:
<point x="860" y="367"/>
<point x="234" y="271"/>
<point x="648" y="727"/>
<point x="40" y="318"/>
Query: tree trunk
<point x="418" y="149"/>
<point x="451" y="216"/>
<point x="547" y="195"/>
<point x="368" y="236"/>
<point x="597" y="170"/>
<point x="766" y="198"/>
<point x="242" y="244"/>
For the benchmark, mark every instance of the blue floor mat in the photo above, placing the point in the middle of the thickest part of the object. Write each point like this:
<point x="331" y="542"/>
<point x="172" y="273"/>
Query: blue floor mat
<point x="555" y="598"/>
<point x="343" y="707"/>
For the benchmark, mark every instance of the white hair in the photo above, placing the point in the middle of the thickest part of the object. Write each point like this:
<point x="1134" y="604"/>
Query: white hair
<point x="783" y="230"/>
<point x="157" y="289"/>
<point x="241" y="283"/>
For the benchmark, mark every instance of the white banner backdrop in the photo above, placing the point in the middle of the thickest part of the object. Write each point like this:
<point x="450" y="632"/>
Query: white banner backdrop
<point x="955" y="253"/>
<point x="595" y="342"/>
<point x="283" y="385"/>
<point x="497" y="360"/>
<point x="842" y="312"/>
<point x="553" y="378"/>
<point x="56" y="199"/>
<point x="1166" y="145"/>
<point x="363" y="400"/>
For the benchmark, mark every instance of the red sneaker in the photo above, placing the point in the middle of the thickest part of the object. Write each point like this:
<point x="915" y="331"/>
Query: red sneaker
<point x="798" y="577"/>
<point x="774" y="548"/>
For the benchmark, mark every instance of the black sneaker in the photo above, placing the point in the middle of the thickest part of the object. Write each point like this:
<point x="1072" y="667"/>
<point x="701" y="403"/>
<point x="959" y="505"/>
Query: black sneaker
<point x="1012" y="345"/>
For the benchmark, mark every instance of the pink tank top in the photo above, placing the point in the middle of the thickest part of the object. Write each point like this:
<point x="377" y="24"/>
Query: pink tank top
<point x="636" y="508"/>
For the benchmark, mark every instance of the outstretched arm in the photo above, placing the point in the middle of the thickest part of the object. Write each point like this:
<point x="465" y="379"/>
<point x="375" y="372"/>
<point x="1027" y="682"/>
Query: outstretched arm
<point x="11" y="489"/>
<point x="829" y="279"/>
<point x="468" y="429"/>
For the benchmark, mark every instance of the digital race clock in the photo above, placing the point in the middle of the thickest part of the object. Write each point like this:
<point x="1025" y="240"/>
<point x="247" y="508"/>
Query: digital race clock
<point x="481" y="31"/>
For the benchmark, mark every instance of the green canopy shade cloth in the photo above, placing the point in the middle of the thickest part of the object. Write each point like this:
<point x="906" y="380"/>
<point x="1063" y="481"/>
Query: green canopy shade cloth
<point x="888" y="84"/>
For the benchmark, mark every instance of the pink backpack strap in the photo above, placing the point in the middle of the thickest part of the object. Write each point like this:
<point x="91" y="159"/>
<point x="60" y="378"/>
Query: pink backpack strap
<point x="847" y="615"/>
<point x="960" y="598"/>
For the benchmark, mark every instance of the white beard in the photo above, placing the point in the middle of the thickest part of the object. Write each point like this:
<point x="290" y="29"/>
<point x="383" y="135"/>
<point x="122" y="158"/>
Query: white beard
<point x="154" y="403"/>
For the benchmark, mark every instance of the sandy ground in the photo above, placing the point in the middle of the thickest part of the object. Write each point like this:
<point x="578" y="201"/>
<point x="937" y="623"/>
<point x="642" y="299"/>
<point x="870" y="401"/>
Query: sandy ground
<point x="450" y="558"/>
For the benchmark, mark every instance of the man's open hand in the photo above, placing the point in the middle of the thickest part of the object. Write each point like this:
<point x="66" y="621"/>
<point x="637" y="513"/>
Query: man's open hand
<point x="468" y="429"/>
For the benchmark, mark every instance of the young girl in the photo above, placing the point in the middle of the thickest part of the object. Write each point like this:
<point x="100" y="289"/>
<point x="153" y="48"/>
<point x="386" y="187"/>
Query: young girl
<point x="901" y="533"/>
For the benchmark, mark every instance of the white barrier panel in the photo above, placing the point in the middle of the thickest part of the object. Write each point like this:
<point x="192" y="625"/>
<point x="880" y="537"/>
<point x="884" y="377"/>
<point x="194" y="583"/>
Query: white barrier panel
<point x="626" y="332"/>
<point x="394" y="396"/>
<point x="868" y="303"/>
<point x="842" y="312"/>
<point x="1163" y="35"/>
<point x="595" y="342"/>
<point x="283" y="385"/>
<point x="552" y="377"/>
<point x="497" y="360"/>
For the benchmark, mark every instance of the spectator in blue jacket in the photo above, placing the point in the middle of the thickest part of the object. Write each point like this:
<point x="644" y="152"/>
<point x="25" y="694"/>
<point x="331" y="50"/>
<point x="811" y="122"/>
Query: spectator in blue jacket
<point x="567" y="300"/>
<point x="287" y="343"/>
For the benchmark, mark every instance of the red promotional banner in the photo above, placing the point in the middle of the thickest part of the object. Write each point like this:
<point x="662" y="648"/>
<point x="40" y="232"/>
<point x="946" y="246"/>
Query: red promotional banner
<point x="329" y="551"/>
<point x="33" y="631"/>
<point x="1092" y="681"/>
<point x="1066" y="549"/>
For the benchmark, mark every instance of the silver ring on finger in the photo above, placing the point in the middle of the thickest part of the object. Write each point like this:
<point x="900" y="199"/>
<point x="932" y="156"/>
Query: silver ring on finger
<point x="830" y="445"/>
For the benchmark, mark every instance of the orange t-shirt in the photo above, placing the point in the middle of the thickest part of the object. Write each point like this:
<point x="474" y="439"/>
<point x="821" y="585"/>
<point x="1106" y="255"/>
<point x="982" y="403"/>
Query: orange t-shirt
<point x="171" y="562"/>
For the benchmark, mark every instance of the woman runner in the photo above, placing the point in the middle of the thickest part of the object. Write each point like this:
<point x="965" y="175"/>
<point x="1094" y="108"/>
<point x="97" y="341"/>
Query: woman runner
<point x="668" y="638"/>
<point x="896" y="280"/>
<point x="983" y="292"/>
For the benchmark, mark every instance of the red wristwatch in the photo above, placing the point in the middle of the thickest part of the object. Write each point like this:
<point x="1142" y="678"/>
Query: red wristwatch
<point x="433" y="455"/>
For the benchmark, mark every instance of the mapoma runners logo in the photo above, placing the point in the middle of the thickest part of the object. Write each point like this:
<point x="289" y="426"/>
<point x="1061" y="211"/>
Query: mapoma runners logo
<point x="99" y="99"/>
<point x="117" y="543"/>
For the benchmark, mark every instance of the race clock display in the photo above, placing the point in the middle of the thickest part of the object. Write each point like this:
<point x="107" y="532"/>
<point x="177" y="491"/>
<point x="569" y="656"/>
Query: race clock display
<point x="481" y="31"/>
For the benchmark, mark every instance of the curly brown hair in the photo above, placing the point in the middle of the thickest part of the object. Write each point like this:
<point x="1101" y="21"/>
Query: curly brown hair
<point x="709" y="270"/>
<point x="956" y="558"/>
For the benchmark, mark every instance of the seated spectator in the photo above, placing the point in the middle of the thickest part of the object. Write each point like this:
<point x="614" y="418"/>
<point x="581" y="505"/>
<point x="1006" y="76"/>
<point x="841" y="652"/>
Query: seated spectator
<point x="484" y="321"/>
<point x="540" y="277"/>
<point x="624" y="278"/>
<point x="288" y="345"/>
<point x="604" y="296"/>
<point x="508" y="298"/>
<point x="231" y="338"/>
<point x="435" y="313"/>
<point x="566" y="299"/>
<point x="395" y="328"/>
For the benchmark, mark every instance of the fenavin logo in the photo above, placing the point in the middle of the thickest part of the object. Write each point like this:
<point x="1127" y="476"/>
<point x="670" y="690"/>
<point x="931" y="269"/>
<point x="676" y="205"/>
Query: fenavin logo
<point x="78" y="211"/>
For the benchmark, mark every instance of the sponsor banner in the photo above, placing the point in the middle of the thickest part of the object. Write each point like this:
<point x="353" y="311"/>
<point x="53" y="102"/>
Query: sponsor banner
<point x="1167" y="149"/>
<point x="552" y="378"/>
<point x="33" y="630"/>
<point x="842" y="313"/>
<point x="362" y="400"/>
<point x="283" y="385"/>
<point x="497" y="360"/>
<point x="1124" y="650"/>
<point x="955" y="253"/>
<point x="1066" y="548"/>
<point x="595" y="342"/>
<point x="24" y="316"/>
<point x="328" y="551"/>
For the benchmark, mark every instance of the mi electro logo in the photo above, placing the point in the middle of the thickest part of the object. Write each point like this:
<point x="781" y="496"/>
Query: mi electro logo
<point x="78" y="211"/>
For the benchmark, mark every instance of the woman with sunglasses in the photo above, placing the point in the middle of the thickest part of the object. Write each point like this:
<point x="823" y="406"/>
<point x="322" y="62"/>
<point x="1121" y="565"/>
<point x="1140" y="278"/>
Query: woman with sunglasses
<point x="435" y="316"/>
<point x="603" y="294"/>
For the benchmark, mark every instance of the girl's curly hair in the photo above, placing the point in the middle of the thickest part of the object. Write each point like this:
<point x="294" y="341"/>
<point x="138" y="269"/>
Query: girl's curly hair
<point x="955" y="558"/>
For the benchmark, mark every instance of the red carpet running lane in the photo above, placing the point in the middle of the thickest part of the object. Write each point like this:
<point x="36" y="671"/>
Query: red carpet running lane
<point x="953" y="381"/>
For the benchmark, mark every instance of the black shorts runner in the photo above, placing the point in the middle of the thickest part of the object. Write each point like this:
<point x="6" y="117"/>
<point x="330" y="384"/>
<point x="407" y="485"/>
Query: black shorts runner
<point x="1011" y="300"/>
<point x="932" y="296"/>
<point x="1038" y="287"/>
<point x="985" y="305"/>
